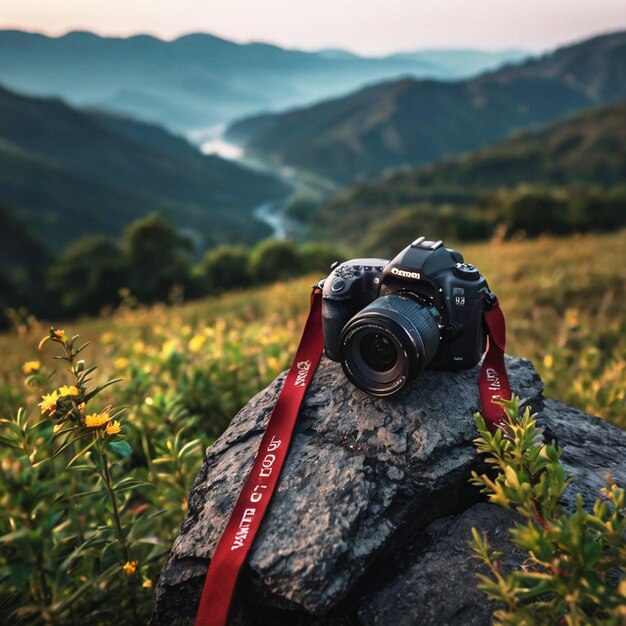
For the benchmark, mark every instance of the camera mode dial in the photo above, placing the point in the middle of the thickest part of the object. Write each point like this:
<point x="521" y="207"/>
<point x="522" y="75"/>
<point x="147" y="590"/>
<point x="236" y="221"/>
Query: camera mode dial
<point x="466" y="271"/>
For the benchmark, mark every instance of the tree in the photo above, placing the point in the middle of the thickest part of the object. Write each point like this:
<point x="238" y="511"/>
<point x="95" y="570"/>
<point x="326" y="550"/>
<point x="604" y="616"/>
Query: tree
<point x="273" y="259"/>
<point x="87" y="275"/>
<point x="317" y="257"/>
<point x="158" y="257"/>
<point x="225" y="267"/>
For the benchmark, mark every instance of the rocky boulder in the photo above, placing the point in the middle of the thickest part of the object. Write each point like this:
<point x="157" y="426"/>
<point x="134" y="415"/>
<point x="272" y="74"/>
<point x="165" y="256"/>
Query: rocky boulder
<point x="371" y="519"/>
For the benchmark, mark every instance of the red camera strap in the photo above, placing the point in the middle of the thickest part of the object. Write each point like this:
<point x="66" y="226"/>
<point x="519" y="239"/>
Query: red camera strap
<point x="245" y="520"/>
<point x="493" y="380"/>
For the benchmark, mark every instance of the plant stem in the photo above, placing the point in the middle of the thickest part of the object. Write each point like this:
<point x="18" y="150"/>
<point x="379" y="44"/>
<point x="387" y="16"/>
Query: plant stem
<point x="116" y="512"/>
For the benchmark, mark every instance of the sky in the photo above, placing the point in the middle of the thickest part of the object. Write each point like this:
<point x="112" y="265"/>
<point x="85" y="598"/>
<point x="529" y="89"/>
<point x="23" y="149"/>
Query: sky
<point x="371" y="27"/>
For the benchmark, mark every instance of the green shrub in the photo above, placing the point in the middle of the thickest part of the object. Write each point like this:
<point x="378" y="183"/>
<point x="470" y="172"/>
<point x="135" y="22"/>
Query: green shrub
<point x="575" y="568"/>
<point x="274" y="259"/>
<point x="225" y="267"/>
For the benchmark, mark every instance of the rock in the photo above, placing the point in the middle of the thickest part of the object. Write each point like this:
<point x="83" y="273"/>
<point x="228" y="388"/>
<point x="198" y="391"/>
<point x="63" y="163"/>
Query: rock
<point x="372" y="514"/>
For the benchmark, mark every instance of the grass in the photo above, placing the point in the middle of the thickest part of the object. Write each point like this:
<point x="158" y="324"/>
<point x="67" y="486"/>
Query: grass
<point x="186" y="371"/>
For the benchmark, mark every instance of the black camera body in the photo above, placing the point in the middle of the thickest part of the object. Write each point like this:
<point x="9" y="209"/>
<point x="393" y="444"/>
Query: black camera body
<point x="386" y="321"/>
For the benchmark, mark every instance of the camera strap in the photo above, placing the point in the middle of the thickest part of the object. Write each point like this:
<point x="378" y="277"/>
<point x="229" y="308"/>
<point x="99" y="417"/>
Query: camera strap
<point x="238" y="536"/>
<point x="245" y="520"/>
<point x="493" y="380"/>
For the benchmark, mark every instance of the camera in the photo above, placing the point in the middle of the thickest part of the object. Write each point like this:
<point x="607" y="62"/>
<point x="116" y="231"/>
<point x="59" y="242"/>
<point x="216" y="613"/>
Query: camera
<point x="386" y="321"/>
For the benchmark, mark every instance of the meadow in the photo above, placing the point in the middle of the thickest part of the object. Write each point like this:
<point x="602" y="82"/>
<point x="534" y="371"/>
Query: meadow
<point x="89" y="539"/>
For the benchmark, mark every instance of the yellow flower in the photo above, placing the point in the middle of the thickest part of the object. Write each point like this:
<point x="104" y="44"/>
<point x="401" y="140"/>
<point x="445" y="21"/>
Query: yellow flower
<point x="548" y="361"/>
<point x="121" y="363"/>
<point x="108" y="337"/>
<point x="130" y="567"/>
<point x="68" y="391"/>
<point x="196" y="343"/>
<point x="96" y="420"/>
<point x="273" y="363"/>
<point x="168" y="348"/>
<point x="31" y="367"/>
<point x="48" y="403"/>
<point x="113" y="428"/>
<point x="147" y="584"/>
<point x="57" y="335"/>
<point x="81" y="406"/>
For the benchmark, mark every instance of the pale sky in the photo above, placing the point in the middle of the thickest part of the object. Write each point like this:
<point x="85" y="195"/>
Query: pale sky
<point x="364" y="26"/>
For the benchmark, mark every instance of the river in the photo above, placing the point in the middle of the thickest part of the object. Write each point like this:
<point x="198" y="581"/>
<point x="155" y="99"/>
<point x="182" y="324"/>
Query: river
<point x="272" y="213"/>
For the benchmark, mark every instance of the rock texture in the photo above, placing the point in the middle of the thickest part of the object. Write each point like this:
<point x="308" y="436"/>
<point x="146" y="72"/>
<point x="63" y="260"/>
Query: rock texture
<point x="373" y="511"/>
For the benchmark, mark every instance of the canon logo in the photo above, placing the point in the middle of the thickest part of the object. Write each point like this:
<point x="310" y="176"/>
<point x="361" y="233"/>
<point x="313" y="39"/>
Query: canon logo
<point x="405" y="274"/>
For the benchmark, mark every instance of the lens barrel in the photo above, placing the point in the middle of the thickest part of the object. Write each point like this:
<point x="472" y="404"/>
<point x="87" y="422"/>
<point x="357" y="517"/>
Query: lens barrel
<point x="389" y="342"/>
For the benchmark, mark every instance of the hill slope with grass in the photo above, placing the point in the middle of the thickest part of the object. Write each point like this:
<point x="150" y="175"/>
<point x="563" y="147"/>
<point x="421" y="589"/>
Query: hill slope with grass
<point x="410" y="122"/>
<point x="67" y="173"/>
<point x="94" y="494"/>
<point x="580" y="163"/>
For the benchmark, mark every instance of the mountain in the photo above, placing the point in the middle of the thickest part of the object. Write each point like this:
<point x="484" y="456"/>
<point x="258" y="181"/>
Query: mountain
<point x="199" y="80"/>
<point x="67" y="173"/>
<point x="410" y="122"/>
<point x="587" y="149"/>
<point x="585" y="154"/>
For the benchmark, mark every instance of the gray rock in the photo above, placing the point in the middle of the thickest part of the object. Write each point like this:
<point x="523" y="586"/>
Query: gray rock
<point x="372" y="514"/>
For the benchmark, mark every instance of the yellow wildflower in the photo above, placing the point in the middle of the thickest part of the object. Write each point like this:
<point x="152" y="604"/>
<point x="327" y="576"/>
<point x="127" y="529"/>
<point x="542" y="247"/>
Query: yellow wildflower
<point x="108" y="337"/>
<point x="81" y="406"/>
<point x="31" y="367"/>
<point x="68" y="391"/>
<point x="48" y="403"/>
<point x="96" y="420"/>
<point x="196" y="343"/>
<point x="60" y="334"/>
<point x="130" y="567"/>
<point x="121" y="363"/>
<point x="548" y="361"/>
<point x="273" y="363"/>
<point x="113" y="428"/>
<point x="147" y="584"/>
<point x="168" y="348"/>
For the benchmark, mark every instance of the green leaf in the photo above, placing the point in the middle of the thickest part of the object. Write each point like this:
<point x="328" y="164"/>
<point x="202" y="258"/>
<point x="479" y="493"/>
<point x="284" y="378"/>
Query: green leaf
<point x="121" y="448"/>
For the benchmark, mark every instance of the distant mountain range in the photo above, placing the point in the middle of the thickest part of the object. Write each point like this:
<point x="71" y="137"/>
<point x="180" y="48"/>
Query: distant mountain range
<point x="411" y="122"/>
<point x="586" y="151"/>
<point x="66" y="173"/>
<point x="199" y="80"/>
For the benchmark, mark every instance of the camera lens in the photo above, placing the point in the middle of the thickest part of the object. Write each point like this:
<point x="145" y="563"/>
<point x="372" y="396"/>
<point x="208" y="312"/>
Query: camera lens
<point x="378" y="352"/>
<point x="389" y="342"/>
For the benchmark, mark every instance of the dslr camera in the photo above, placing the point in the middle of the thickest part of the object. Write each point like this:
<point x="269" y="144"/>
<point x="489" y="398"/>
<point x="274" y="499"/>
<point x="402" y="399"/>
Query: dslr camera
<point x="386" y="321"/>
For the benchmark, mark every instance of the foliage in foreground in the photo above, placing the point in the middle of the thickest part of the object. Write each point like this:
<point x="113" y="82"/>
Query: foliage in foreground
<point x="85" y="521"/>
<point x="574" y="571"/>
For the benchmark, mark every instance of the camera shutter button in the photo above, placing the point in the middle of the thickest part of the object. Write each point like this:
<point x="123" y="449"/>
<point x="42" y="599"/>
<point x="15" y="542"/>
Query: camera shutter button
<point x="337" y="285"/>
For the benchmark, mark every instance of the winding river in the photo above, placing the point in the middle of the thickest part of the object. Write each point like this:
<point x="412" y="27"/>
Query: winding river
<point x="272" y="213"/>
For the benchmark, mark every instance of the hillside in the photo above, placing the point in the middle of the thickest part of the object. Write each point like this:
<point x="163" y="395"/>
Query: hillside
<point x="589" y="148"/>
<point x="586" y="153"/>
<point x="67" y="173"/>
<point x="200" y="80"/>
<point x="410" y="122"/>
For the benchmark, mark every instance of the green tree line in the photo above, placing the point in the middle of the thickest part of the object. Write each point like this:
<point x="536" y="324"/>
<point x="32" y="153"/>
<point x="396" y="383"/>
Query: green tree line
<point x="152" y="262"/>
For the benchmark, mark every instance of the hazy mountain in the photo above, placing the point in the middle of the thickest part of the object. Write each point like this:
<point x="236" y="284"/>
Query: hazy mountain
<point x="200" y="80"/>
<point x="67" y="173"/>
<point x="409" y="122"/>
<point x="586" y="151"/>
